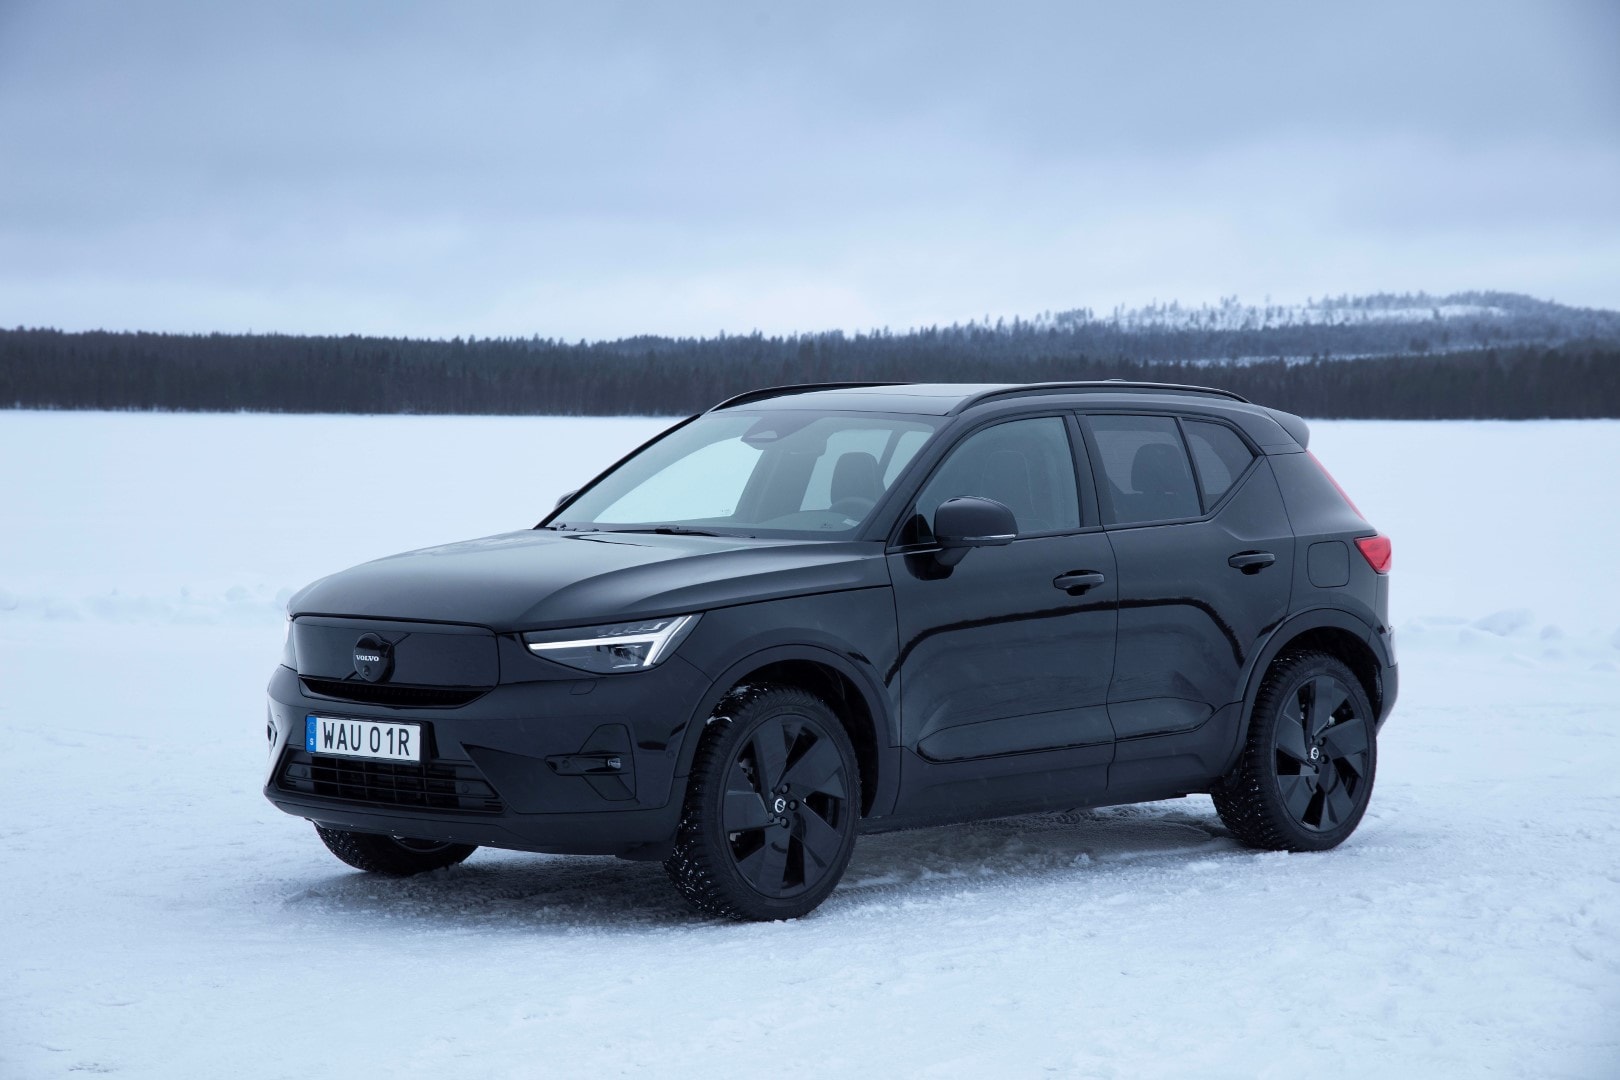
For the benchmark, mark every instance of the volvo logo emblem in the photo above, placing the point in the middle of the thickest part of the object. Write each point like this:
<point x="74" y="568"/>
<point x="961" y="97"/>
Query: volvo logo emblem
<point x="373" y="658"/>
<point x="1316" y="753"/>
<point x="780" y="805"/>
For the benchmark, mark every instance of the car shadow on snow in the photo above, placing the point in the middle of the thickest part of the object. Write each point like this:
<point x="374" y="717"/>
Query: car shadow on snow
<point x="512" y="890"/>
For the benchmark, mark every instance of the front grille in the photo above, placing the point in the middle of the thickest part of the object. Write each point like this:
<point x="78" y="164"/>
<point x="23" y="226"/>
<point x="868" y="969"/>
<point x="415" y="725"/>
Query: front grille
<point x="388" y="694"/>
<point x="430" y="785"/>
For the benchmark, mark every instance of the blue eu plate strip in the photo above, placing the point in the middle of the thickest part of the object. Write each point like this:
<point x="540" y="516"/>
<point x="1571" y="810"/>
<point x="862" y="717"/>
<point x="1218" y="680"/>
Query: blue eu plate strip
<point x="309" y="733"/>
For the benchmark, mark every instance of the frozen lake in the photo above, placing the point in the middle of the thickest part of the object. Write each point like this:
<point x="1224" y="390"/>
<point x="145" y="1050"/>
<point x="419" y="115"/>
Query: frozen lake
<point x="159" y="919"/>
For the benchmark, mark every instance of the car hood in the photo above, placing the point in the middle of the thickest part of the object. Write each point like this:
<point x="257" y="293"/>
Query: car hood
<point x="538" y="578"/>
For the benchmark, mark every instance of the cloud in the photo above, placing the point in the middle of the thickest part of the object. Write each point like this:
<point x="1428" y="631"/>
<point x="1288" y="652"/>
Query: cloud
<point x="605" y="169"/>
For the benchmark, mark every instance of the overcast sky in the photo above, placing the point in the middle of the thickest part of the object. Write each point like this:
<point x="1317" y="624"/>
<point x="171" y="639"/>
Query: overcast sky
<point x="605" y="169"/>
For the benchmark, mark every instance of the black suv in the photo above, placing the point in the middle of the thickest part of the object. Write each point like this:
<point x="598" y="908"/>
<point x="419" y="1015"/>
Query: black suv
<point x="814" y="611"/>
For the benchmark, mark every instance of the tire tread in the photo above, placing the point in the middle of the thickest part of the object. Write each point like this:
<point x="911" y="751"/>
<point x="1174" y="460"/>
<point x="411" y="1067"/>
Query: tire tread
<point x="692" y="865"/>
<point x="1246" y="799"/>
<point x="381" y="855"/>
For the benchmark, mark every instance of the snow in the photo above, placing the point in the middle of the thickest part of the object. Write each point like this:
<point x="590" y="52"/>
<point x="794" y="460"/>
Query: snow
<point x="161" y="920"/>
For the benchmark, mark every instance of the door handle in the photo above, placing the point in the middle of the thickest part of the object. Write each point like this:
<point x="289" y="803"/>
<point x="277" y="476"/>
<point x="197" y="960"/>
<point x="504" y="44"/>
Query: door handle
<point x="1078" y="581"/>
<point x="1251" y="562"/>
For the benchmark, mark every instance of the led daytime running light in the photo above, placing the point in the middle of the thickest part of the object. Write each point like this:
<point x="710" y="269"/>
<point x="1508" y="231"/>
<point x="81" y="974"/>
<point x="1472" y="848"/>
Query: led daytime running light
<point x="657" y="633"/>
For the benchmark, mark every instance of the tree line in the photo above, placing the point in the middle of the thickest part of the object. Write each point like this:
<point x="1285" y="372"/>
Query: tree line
<point x="1507" y="376"/>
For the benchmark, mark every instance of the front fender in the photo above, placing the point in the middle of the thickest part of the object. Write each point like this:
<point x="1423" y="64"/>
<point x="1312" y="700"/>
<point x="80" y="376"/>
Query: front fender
<point x="851" y="633"/>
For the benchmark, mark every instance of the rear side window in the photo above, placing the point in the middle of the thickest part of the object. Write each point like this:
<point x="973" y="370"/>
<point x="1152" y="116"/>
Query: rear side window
<point x="1146" y="474"/>
<point x="1219" y="455"/>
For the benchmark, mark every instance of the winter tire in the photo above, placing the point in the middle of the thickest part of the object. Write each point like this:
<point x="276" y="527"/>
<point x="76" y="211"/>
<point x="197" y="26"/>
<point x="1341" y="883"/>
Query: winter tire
<point x="771" y="808"/>
<point x="1306" y="772"/>
<point x="393" y="856"/>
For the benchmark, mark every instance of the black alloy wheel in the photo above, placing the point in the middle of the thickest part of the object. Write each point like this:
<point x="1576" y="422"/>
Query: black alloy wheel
<point x="1323" y="751"/>
<point x="1306" y="773"/>
<point x="770" y="815"/>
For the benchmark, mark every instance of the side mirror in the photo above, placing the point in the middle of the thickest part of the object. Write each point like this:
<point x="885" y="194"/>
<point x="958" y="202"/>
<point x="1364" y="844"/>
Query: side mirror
<point x="564" y="497"/>
<point x="968" y="522"/>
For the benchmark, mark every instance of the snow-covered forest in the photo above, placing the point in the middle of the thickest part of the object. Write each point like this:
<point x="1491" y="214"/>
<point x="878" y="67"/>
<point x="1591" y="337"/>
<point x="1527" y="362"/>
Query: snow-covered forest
<point x="1467" y="355"/>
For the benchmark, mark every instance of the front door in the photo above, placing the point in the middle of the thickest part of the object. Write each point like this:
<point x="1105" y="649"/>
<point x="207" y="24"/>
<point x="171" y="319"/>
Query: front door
<point x="1005" y="659"/>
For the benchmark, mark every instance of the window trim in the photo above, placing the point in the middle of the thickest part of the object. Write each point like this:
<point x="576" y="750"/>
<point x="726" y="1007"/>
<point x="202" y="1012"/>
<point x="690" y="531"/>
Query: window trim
<point x="1080" y="465"/>
<point x="1090" y="501"/>
<point x="1105" y="508"/>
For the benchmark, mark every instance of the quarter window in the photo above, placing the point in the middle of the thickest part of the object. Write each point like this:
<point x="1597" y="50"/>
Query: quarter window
<point x="1220" y="456"/>
<point x="1145" y="468"/>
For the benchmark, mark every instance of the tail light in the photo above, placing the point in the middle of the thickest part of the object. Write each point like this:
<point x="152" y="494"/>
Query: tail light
<point x="1378" y="552"/>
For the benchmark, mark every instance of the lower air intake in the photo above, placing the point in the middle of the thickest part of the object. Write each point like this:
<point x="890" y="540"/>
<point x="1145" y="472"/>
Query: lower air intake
<point x="432" y="785"/>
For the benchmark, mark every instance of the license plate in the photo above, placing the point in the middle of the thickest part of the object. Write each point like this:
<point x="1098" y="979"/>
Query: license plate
<point x="337" y="737"/>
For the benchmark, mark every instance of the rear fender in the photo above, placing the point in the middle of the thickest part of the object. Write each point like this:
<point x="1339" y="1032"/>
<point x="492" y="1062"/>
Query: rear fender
<point x="1277" y="641"/>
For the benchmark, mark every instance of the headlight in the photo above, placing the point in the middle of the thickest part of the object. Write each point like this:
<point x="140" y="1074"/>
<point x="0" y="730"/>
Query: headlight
<point x="289" y="654"/>
<point x="621" y="647"/>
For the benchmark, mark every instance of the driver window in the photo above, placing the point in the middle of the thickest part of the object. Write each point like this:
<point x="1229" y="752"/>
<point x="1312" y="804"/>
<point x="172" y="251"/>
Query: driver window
<point x="1025" y="464"/>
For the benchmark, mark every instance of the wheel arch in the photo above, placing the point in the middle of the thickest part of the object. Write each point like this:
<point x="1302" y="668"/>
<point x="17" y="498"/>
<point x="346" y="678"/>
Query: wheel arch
<point x="850" y="692"/>
<point x="1332" y="631"/>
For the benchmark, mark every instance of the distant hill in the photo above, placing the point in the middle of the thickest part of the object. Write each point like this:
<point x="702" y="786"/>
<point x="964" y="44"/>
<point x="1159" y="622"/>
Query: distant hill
<point x="1383" y="324"/>
<point x="1478" y="311"/>
<point x="1416" y="356"/>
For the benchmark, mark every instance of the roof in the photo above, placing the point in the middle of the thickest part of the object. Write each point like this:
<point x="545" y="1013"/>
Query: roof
<point x="1274" y="431"/>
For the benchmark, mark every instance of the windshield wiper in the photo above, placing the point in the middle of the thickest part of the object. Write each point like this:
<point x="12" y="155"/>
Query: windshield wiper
<point x="665" y="530"/>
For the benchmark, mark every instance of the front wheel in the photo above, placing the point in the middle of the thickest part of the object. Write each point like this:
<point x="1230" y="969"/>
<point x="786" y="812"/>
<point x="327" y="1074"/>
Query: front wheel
<point x="1306" y="773"/>
<point x="770" y="814"/>
<point x="392" y="856"/>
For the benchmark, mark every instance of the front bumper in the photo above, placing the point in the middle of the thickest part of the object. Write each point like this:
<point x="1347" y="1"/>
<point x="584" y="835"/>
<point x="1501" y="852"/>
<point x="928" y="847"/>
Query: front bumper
<point x="572" y="766"/>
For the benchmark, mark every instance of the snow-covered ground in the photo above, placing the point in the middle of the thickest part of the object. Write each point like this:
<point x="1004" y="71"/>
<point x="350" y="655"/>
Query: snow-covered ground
<point x="159" y="919"/>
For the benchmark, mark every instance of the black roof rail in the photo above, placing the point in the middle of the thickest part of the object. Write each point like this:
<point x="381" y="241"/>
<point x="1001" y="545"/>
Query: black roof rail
<point x="1121" y="385"/>
<point x="794" y="388"/>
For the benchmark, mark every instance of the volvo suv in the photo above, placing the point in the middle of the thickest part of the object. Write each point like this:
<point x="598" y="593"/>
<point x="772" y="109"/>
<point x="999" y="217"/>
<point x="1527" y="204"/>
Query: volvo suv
<point x="817" y="611"/>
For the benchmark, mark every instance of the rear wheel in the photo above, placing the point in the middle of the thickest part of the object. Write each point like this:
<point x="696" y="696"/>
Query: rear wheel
<point x="393" y="856"/>
<point x="1306" y="773"/>
<point x="771" y="809"/>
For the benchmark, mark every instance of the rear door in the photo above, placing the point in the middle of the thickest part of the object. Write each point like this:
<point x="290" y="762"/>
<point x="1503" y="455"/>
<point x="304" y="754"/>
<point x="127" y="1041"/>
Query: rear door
<point x="1204" y="556"/>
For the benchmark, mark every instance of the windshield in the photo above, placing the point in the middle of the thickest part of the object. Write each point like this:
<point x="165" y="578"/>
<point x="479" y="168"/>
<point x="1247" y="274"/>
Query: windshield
<point x="776" y="473"/>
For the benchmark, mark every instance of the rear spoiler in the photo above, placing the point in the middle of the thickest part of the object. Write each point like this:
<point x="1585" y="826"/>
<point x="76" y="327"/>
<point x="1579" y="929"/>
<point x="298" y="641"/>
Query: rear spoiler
<point x="1297" y="429"/>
